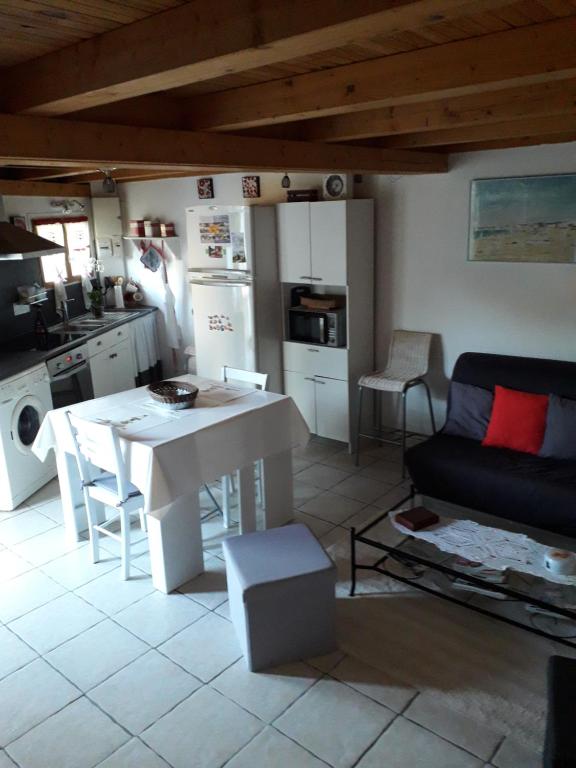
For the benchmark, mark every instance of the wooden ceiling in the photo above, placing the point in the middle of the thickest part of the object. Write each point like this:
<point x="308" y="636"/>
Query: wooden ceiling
<point x="158" y="88"/>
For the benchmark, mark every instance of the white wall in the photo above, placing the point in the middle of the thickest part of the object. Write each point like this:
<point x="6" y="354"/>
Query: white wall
<point x="38" y="207"/>
<point x="423" y="278"/>
<point x="424" y="281"/>
<point x="167" y="200"/>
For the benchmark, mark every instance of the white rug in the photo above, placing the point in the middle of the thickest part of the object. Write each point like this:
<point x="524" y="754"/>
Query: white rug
<point x="477" y="666"/>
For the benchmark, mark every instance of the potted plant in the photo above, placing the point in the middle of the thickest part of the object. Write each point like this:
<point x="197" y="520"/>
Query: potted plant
<point x="96" y="300"/>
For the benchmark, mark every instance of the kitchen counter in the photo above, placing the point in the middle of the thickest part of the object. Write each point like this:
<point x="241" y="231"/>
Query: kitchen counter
<point x="13" y="362"/>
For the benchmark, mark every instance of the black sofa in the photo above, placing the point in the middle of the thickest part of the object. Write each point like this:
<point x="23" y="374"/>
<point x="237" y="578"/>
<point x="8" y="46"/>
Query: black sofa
<point x="517" y="486"/>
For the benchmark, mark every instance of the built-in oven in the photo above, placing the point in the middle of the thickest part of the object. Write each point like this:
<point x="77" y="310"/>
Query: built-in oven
<point x="70" y="377"/>
<point x="313" y="326"/>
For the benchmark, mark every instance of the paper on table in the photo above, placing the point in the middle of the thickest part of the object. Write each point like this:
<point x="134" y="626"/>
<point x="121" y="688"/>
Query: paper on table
<point x="130" y="420"/>
<point x="224" y="393"/>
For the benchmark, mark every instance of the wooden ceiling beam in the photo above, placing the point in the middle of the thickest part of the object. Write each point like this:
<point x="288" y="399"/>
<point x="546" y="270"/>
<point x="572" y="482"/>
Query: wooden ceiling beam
<point x="43" y="189"/>
<point x="476" y="109"/>
<point x="45" y="174"/>
<point x="151" y="111"/>
<point x="67" y="143"/>
<point x="511" y="129"/>
<point x="519" y="57"/>
<point x="143" y="174"/>
<point x="200" y="41"/>
<point x="527" y="141"/>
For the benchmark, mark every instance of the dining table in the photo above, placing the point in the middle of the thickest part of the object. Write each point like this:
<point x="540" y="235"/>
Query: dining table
<point x="171" y="454"/>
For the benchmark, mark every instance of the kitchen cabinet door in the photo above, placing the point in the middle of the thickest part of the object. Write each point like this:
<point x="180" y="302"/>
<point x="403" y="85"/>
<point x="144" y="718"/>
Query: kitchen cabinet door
<point x="113" y="370"/>
<point x="123" y="368"/>
<point x="328" y="242"/>
<point x="294" y="242"/>
<point x="332" y="409"/>
<point x="301" y="389"/>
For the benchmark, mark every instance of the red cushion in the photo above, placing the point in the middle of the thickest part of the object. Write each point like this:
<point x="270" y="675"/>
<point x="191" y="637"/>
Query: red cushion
<point x="518" y="420"/>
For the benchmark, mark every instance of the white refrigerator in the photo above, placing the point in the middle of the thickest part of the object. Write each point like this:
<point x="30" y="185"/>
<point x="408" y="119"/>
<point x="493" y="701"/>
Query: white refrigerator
<point x="235" y="290"/>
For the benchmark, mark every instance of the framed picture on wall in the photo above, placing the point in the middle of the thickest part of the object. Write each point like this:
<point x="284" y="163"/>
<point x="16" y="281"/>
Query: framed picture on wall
<point x="205" y="188"/>
<point x="250" y="186"/>
<point x="523" y="219"/>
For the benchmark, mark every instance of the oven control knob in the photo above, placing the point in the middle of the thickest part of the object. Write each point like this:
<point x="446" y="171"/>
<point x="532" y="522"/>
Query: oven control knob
<point x="58" y="365"/>
<point x="79" y="356"/>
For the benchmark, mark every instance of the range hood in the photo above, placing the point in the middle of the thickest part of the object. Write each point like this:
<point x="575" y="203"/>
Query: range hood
<point x="18" y="244"/>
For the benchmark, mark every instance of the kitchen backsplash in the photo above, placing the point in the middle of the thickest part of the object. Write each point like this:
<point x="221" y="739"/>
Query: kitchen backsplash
<point x="14" y="273"/>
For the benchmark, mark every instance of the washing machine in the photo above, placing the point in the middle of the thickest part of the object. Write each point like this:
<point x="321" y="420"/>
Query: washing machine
<point x="24" y="401"/>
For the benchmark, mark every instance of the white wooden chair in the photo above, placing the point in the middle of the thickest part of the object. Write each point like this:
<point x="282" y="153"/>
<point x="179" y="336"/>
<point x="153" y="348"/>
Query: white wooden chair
<point x="407" y="365"/>
<point x="258" y="381"/>
<point x="92" y="441"/>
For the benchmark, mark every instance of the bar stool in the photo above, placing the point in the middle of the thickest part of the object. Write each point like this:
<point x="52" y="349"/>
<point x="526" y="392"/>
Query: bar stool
<point x="408" y="361"/>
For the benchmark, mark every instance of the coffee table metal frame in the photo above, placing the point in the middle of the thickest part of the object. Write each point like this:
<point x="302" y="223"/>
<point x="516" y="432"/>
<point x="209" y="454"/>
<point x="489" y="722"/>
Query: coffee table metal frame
<point x="395" y="553"/>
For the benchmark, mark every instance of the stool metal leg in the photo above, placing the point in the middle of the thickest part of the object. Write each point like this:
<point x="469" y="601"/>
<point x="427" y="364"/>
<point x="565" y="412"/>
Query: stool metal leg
<point x="378" y="414"/>
<point x="404" y="392"/>
<point x="432" y="420"/>
<point x="359" y="425"/>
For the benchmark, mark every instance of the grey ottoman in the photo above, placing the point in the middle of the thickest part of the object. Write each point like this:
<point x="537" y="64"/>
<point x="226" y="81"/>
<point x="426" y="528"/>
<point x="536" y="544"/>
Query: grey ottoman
<point x="281" y="588"/>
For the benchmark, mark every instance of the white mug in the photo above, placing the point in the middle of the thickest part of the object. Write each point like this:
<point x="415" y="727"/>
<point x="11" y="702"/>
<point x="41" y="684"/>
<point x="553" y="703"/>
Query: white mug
<point x="560" y="562"/>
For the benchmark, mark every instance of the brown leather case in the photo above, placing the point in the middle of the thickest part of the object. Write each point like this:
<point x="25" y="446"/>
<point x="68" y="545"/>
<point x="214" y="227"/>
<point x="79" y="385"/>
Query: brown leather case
<point x="417" y="518"/>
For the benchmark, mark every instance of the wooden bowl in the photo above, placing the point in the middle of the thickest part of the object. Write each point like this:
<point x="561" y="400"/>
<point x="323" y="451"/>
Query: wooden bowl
<point x="173" y="395"/>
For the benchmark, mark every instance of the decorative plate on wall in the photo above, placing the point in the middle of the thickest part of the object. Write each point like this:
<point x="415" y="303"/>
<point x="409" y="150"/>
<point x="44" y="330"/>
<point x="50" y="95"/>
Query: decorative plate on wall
<point x="205" y="188"/>
<point x="250" y="186"/>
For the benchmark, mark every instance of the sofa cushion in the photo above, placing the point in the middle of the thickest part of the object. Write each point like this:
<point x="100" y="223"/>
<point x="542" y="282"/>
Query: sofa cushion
<point x="469" y="411"/>
<point x="518" y="420"/>
<point x="516" y="486"/>
<point x="560" y="436"/>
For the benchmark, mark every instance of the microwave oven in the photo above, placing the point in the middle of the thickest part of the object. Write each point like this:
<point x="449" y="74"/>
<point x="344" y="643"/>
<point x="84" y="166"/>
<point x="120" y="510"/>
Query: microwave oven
<point x="317" y="326"/>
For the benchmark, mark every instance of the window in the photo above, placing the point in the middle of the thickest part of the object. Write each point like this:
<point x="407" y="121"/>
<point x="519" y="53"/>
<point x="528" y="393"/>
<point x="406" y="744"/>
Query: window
<point x="73" y="234"/>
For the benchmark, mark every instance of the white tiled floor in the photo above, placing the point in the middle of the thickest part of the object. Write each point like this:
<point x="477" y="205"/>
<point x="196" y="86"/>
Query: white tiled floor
<point x="99" y="672"/>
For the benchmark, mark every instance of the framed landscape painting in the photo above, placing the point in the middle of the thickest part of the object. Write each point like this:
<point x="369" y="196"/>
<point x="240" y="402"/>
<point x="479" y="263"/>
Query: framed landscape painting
<point x="530" y="218"/>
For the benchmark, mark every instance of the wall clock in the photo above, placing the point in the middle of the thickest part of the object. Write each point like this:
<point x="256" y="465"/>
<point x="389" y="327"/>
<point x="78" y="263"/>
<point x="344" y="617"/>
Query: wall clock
<point x="334" y="186"/>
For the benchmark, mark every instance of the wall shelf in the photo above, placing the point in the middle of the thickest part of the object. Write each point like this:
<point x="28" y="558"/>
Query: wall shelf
<point x="150" y="237"/>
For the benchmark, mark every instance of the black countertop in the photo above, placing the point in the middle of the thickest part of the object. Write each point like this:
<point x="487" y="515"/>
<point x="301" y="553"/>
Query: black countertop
<point x="14" y="361"/>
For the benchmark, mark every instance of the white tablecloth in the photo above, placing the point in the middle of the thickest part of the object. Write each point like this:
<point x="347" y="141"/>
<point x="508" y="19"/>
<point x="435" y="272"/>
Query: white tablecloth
<point x="172" y="454"/>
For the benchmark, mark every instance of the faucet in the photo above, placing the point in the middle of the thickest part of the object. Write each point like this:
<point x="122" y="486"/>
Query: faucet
<point x="64" y="311"/>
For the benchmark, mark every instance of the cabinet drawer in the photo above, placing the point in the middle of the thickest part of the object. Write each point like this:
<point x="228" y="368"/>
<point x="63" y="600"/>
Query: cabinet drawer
<point x="316" y="361"/>
<point x="108" y="339"/>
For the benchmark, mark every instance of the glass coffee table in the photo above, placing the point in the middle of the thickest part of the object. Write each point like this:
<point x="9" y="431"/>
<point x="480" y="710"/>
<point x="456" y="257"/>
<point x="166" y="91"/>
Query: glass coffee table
<point x="494" y="571"/>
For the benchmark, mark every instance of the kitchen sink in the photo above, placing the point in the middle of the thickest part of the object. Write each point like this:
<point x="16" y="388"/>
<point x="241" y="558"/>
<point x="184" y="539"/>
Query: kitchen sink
<point x="88" y="323"/>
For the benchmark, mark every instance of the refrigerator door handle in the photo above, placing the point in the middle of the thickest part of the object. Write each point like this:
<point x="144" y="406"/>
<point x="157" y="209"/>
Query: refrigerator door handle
<point x="232" y="284"/>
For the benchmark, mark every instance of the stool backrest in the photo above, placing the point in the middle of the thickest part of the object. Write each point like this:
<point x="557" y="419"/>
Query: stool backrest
<point x="98" y="445"/>
<point x="259" y="380"/>
<point x="410" y="352"/>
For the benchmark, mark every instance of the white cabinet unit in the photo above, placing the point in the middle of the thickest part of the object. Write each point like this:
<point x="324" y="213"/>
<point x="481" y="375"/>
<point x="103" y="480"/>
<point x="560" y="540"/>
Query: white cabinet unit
<point x="328" y="242"/>
<point x="302" y="390"/>
<point x="109" y="339"/>
<point x="294" y="242"/>
<point x="322" y="400"/>
<point x="317" y="241"/>
<point x="107" y="216"/>
<point x="313" y="360"/>
<point x="329" y="246"/>
<point x="113" y="369"/>
<point x="332" y="411"/>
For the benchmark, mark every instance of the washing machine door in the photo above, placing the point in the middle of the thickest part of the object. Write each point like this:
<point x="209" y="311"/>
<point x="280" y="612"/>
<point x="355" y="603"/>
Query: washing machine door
<point x="27" y="417"/>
